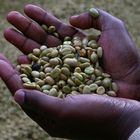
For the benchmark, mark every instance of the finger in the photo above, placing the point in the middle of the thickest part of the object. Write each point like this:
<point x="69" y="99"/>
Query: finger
<point x="2" y="57"/>
<point x="23" y="43"/>
<point x="38" y="101"/>
<point x="23" y="59"/>
<point x="29" y="28"/>
<point x="69" y="106"/>
<point x="10" y="77"/>
<point x="43" y="17"/>
<point x="105" y="21"/>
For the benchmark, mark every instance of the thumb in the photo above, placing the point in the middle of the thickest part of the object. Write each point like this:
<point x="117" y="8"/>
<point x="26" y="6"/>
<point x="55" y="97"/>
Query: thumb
<point x="104" y="21"/>
<point x="38" y="101"/>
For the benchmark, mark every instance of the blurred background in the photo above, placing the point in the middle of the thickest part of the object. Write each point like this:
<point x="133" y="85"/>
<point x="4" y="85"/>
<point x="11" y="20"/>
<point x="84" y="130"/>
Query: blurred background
<point x="14" y="124"/>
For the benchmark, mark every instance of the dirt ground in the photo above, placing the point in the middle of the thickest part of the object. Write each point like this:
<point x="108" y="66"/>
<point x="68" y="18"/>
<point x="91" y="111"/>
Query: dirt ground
<point x="14" y="124"/>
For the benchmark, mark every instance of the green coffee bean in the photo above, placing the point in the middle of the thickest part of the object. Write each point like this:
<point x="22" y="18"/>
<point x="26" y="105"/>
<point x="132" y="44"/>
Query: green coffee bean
<point x="105" y="75"/>
<point x="86" y="90"/>
<point x="26" y="80"/>
<point x="35" y="74"/>
<point x="111" y="93"/>
<point x="40" y="82"/>
<point x="46" y="91"/>
<point x="55" y="73"/>
<point x="94" y="13"/>
<point x="51" y="29"/>
<point x="81" y="52"/>
<point x="77" y="81"/>
<point x="71" y="62"/>
<point x="74" y="93"/>
<point x="32" y="57"/>
<point x="49" y="80"/>
<point x="36" y="52"/>
<point x="67" y="43"/>
<point x="54" y="61"/>
<point x="97" y="72"/>
<point x="42" y="75"/>
<point x="78" y="69"/>
<point x="106" y="82"/>
<point x="83" y="60"/>
<point x="85" y="41"/>
<point x="67" y="38"/>
<point x="60" y="94"/>
<point x="93" y="44"/>
<point x="29" y="85"/>
<point x="93" y="57"/>
<point x="43" y="47"/>
<point x="54" y="53"/>
<point x="56" y="87"/>
<point x="44" y="27"/>
<point x="84" y="65"/>
<point x="63" y="77"/>
<point x="78" y="76"/>
<point x="65" y="71"/>
<point x="81" y="88"/>
<point x="61" y="83"/>
<point x="89" y="82"/>
<point x="66" y="89"/>
<point x="93" y="87"/>
<point x="100" y="52"/>
<point x="23" y="75"/>
<point x="74" y="88"/>
<point x="100" y="90"/>
<point x="68" y="56"/>
<point x="98" y="82"/>
<point x="71" y="82"/>
<point x="48" y="69"/>
<point x="46" y="87"/>
<point x="53" y="92"/>
<point x="56" y="34"/>
<point x="89" y="70"/>
<point x="114" y="87"/>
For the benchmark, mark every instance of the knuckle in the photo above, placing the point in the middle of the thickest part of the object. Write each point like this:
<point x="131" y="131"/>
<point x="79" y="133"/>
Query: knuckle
<point x="119" y="23"/>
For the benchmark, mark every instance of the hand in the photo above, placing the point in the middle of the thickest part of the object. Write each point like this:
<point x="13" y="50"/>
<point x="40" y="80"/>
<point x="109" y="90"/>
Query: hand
<point x="9" y="74"/>
<point x="84" y="117"/>
<point x="120" y="59"/>
<point x="65" y="114"/>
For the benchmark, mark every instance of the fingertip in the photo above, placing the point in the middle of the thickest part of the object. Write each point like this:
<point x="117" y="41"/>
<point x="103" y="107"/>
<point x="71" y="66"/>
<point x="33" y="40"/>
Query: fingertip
<point x="23" y="59"/>
<point x="74" y="17"/>
<point x="6" y="31"/>
<point x="9" y="34"/>
<point x="28" y="6"/>
<point x="82" y="21"/>
<point x="11" y="15"/>
<point x="19" y="97"/>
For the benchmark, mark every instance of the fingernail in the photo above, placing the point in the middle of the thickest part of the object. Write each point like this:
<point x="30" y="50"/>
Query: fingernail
<point x="93" y="12"/>
<point x="75" y="16"/>
<point x="19" y="97"/>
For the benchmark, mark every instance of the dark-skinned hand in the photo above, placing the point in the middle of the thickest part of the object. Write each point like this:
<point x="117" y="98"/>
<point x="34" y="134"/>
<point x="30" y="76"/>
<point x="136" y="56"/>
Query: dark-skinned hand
<point x="84" y="116"/>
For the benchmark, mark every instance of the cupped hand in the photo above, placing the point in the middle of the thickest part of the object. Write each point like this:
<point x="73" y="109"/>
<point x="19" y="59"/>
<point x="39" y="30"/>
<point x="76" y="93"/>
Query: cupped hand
<point x="80" y="117"/>
<point x="120" y="58"/>
<point x="83" y="116"/>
